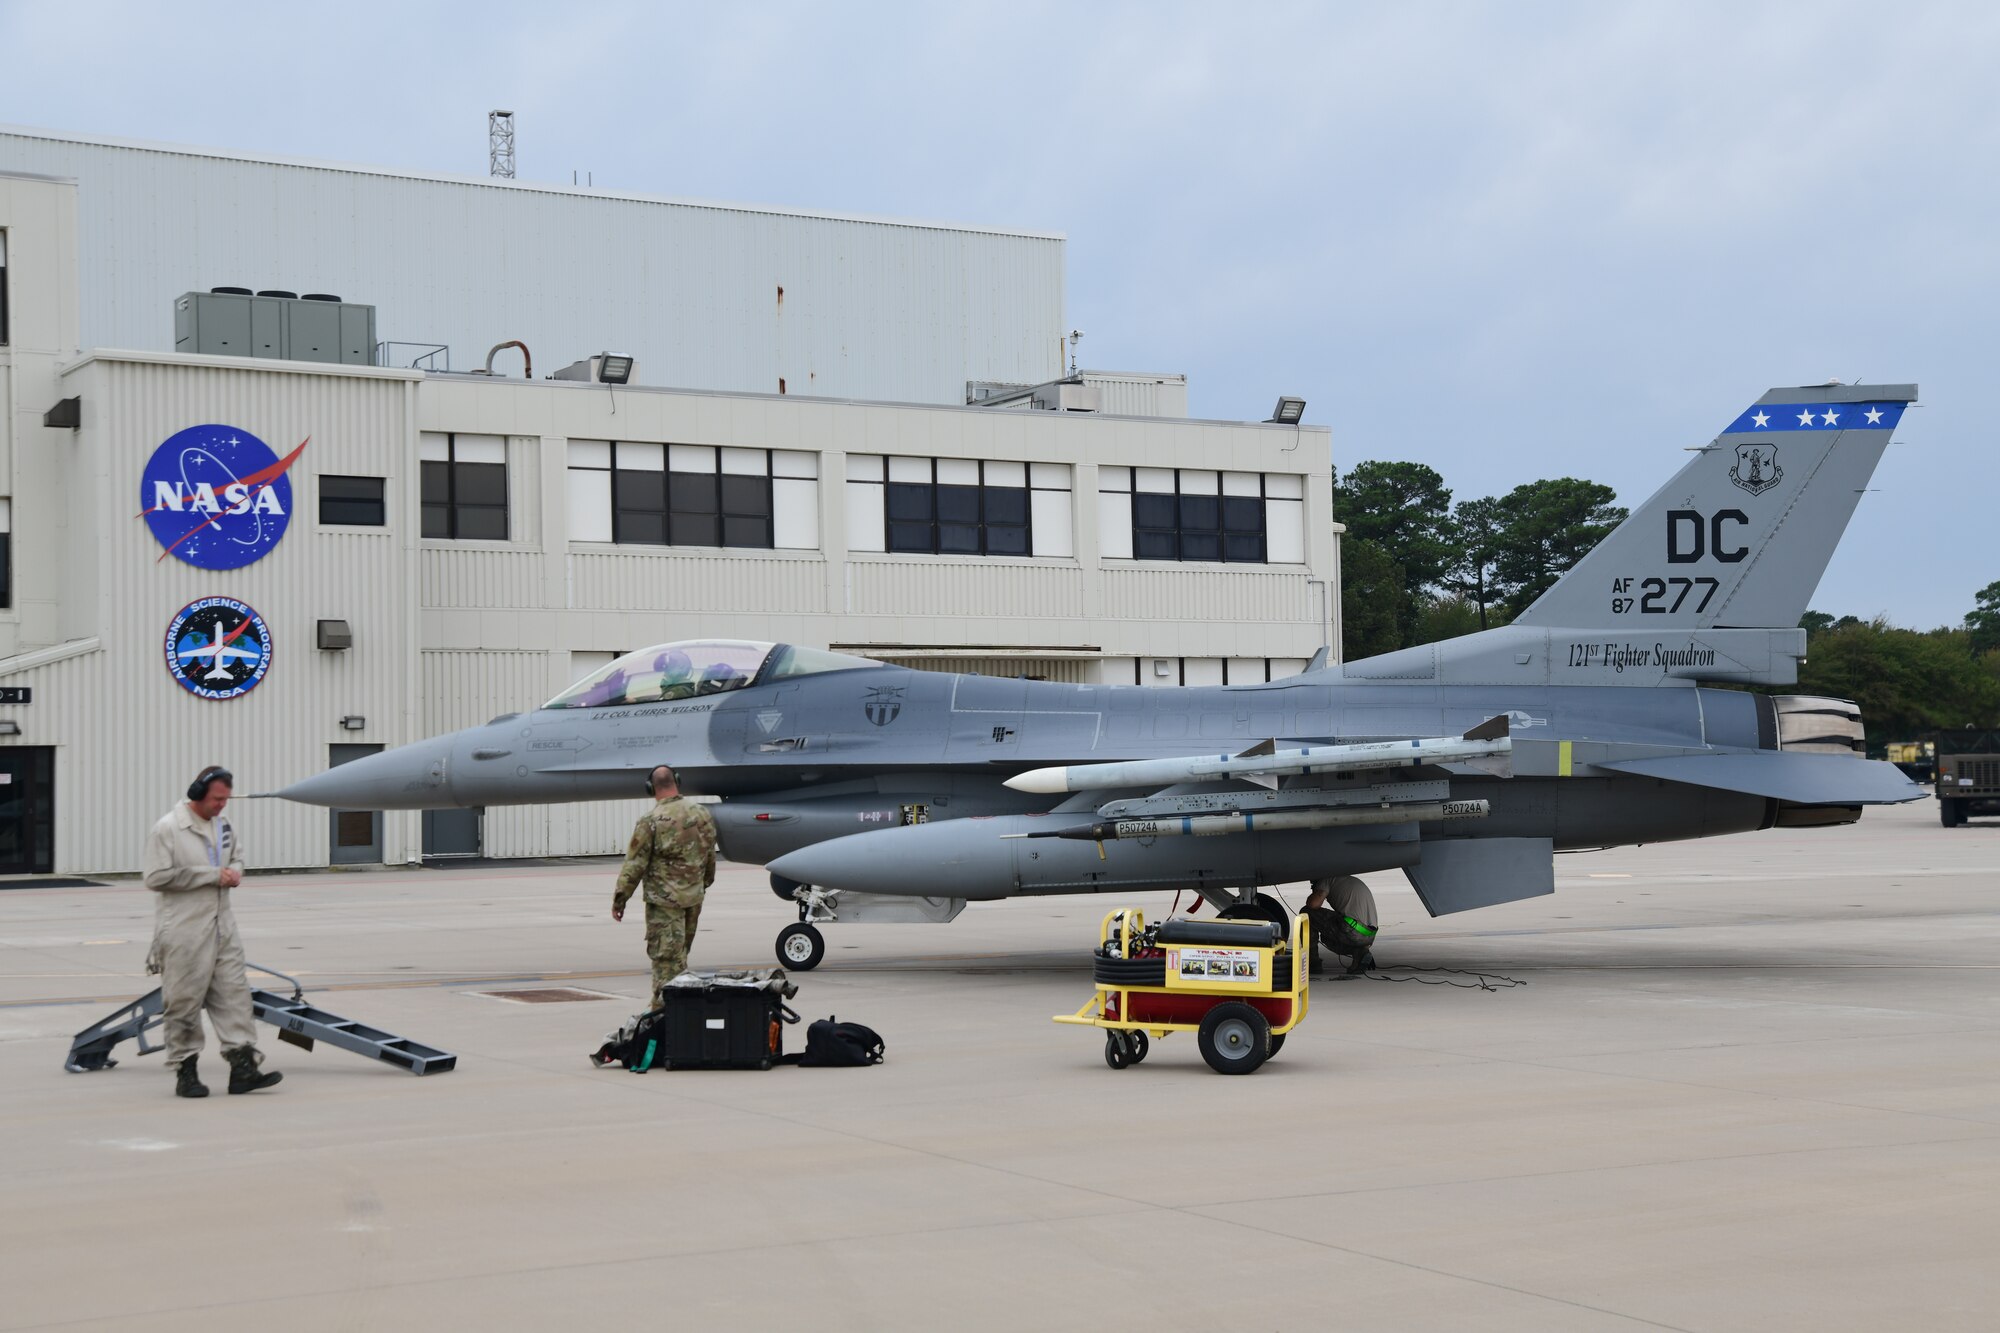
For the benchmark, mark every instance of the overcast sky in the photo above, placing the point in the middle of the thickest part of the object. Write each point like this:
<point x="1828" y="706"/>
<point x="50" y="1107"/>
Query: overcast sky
<point x="1512" y="241"/>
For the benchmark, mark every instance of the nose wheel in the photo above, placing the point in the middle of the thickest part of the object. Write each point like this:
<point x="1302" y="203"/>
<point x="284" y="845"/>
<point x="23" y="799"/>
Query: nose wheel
<point x="801" y="946"/>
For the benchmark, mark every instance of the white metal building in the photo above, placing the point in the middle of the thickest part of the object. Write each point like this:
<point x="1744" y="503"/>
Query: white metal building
<point x="460" y="546"/>
<point x="709" y="296"/>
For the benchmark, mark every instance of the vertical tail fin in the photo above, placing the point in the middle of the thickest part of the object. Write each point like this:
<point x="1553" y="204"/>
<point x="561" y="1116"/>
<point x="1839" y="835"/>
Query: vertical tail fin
<point x="1741" y="535"/>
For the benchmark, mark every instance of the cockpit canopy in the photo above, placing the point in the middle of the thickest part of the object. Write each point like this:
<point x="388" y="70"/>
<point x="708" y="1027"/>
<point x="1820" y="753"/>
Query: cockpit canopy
<point x="696" y="668"/>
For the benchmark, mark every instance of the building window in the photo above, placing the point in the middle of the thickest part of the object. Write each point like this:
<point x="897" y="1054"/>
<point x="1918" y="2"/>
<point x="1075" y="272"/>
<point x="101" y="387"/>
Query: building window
<point x="6" y="553"/>
<point x="958" y="506"/>
<point x="1157" y="513"/>
<point x="3" y="288"/>
<point x="693" y="495"/>
<point x="465" y="487"/>
<point x="354" y="502"/>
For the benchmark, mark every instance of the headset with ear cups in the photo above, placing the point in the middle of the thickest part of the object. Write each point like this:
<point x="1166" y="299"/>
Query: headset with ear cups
<point x="199" y="787"/>
<point x="676" y="777"/>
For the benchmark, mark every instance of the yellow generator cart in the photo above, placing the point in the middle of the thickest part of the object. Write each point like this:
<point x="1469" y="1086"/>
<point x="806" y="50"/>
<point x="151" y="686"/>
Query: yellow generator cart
<point x="1239" y="986"/>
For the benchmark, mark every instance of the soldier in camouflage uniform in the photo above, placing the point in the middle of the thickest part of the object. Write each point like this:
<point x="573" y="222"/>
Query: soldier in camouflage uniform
<point x="673" y="858"/>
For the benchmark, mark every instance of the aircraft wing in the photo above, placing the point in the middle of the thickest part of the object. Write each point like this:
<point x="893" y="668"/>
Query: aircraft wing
<point x="224" y="650"/>
<point x="1803" y="779"/>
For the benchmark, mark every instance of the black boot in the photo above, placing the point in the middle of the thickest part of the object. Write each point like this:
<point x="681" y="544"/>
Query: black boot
<point x="244" y="1076"/>
<point x="186" y="1082"/>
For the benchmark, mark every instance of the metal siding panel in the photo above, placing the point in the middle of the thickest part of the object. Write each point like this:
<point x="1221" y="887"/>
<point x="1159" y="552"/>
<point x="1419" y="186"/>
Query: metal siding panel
<point x="679" y="579"/>
<point x="904" y="312"/>
<point x="119" y="767"/>
<point x="990" y="588"/>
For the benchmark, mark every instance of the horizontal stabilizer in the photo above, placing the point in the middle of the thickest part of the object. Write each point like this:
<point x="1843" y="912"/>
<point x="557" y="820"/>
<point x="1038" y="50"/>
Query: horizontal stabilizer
<point x="1803" y="779"/>
<point x="1459" y="874"/>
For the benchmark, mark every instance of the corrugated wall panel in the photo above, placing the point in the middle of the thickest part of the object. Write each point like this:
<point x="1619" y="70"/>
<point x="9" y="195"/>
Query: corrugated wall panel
<point x="889" y="310"/>
<point x="356" y="425"/>
<point x="476" y="579"/>
<point x="688" y="581"/>
<point x="985" y="587"/>
<point x="1208" y="594"/>
<point x="1074" y="670"/>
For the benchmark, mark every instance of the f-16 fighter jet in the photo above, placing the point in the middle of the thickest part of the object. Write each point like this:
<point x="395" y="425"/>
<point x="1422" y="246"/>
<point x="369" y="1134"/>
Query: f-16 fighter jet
<point x="1605" y="715"/>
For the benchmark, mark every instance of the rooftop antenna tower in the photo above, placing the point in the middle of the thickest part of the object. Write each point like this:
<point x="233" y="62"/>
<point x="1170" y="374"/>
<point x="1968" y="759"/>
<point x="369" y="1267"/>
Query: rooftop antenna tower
<point x="500" y="144"/>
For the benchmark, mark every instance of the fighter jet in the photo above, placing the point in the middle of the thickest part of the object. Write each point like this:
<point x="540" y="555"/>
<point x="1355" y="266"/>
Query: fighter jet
<point x="1611" y="712"/>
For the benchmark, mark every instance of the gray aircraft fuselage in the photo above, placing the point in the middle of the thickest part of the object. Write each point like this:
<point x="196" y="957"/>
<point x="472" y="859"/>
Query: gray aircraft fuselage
<point x="818" y="757"/>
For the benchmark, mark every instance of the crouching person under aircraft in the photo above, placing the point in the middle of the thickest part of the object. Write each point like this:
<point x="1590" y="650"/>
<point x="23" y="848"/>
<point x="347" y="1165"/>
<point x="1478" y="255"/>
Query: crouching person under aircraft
<point x="1342" y="912"/>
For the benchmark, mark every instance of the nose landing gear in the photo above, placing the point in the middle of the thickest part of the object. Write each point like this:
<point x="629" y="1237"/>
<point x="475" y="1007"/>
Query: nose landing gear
<point x="801" y="946"/>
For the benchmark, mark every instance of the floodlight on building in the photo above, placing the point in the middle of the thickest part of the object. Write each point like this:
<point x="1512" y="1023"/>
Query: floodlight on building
<point x="9" y="727"/>
<point x="1288" y="412"/>
<point x="613" y="367"/>
<point x="353" y="722"/>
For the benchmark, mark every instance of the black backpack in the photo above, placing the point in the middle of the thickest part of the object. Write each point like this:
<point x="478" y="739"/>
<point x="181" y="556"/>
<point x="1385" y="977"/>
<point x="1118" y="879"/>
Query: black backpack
<point x="830" y="1042"/>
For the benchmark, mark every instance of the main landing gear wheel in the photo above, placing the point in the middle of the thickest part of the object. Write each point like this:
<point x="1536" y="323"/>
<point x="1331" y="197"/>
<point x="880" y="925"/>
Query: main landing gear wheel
<point x="784" y="888"/>
<point x="801" y="946"/>
<point x="1234" y="1038"/>
<point x="1261" y="908"/>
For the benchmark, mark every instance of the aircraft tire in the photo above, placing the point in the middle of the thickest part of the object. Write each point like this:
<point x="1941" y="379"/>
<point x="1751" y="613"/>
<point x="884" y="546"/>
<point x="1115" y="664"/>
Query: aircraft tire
<point x="1234" y="1038"/>
<point x="801" y="946"/>
<point x="783" y="887"/>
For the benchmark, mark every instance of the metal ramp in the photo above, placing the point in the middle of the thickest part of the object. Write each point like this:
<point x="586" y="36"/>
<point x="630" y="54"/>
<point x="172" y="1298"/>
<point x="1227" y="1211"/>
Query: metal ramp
<point x="299" y="1023"/>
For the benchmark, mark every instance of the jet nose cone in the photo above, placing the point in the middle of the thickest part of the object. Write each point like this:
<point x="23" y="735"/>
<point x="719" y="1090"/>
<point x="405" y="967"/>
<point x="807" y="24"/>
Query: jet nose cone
<point x="410" y="777"/>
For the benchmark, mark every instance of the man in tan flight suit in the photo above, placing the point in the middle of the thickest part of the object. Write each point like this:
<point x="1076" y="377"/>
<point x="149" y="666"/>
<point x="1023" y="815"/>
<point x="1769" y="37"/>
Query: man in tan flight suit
<point x="193" y="860"/>
<point x="673" y="858"/>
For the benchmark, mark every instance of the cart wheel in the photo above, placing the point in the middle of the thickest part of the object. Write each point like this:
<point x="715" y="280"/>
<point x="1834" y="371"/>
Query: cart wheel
<point x="1114" y="1050"/>
<point x="783" y="887"/>
<point x="1137" y="1045"/>
<point x="1234" y="1038"/>
<point x="801" y="946"/>
<point x="1277" y="1043"/>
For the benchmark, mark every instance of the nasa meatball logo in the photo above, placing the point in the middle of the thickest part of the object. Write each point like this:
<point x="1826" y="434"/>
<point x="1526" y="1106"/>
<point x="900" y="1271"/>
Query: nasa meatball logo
<point x="218" y="648"/>
<point x="217" y="497"/>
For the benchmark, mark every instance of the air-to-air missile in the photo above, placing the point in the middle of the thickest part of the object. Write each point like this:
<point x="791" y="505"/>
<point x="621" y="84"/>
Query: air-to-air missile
<point x="1590" y="721"/>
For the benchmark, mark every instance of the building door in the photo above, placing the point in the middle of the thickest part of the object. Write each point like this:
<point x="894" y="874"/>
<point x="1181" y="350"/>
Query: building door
<point x="27" y="809"/>
<point x="357" y="834"/>
<point x="451" y="833"/>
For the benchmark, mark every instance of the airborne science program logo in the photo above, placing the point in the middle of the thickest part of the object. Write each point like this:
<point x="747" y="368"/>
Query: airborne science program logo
<point x="217" y="497"/>
<point x="218" y="648"/>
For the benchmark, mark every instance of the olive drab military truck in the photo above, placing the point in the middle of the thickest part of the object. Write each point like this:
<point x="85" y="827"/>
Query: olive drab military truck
<point x="1968" y="775"/>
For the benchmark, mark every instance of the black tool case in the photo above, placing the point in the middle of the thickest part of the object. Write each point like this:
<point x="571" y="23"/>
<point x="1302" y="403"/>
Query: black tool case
<point x="710" y="1020"/>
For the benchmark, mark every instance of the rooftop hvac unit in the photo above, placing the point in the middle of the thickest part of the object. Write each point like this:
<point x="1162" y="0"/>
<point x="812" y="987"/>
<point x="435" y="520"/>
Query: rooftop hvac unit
<point x="230" y="321"/>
